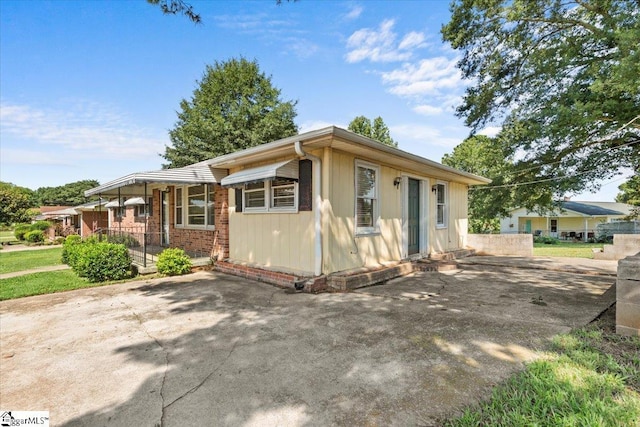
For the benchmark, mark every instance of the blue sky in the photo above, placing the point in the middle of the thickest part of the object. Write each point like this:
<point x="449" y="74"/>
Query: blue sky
<point x="89" y="89"/>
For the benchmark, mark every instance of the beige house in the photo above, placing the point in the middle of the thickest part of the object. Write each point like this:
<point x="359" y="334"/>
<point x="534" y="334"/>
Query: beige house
<point x="306" y="206"/>
<point x="331" y="200"/>
<point x="570" y="221"/>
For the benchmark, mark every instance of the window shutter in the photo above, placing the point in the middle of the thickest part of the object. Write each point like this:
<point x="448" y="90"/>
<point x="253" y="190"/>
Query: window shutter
<point x="238" y="199"/>
<point x="305" y="187"/>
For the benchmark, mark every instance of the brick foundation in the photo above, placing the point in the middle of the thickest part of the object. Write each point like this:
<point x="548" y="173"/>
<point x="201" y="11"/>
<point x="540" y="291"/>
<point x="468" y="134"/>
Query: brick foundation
<point x="283" y="280"/>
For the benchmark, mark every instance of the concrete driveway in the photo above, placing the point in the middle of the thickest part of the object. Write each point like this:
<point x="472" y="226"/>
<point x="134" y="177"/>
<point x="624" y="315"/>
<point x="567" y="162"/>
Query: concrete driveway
<point x="211" y="349"/>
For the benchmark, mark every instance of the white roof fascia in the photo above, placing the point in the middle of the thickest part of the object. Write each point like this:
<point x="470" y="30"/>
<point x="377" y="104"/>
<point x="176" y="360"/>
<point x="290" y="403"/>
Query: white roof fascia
<point x="228" y="160"/>
<point x="285" y="169"/>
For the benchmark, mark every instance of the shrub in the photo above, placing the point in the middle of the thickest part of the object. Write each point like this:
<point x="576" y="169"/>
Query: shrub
<point x="41" y="225"/>
<point x="546" y="240"/>
<point x="124" y="239"/>
<point x="173" y="261"/>
<point x="67" y="248"/>
<point x="34" y="236"/>
<point x="59" y="240"/>
<point x="99" y="262"/>
<point x="21" y="230"/>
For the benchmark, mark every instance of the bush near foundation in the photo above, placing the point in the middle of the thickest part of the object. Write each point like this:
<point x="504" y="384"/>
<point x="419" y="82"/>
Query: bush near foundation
<point x="67" y="249"/>
<point x="21" y="230"/>
<point x="173" y="262"/>
<point x="34" y="236"/>
<point x="97" y="261"/>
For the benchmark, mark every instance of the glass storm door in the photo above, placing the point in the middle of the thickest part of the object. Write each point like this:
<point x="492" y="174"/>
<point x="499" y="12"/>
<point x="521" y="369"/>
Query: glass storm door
<point x="165" y="218"/>
<point x="414" y="216"/>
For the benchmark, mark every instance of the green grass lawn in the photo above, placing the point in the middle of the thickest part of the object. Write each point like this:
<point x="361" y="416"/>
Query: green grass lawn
<point x="41" y="283"/>
<point x="25" y="260"/>
<point x="590" y="378"/>
<point x="7" y="236"/>
<point x="50" y="282"/>
<point x="568" y="249"/>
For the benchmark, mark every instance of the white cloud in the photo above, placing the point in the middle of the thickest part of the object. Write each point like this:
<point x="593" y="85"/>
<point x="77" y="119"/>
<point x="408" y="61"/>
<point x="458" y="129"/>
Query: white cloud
<point x="427" y="110"/>
<point x="412" y="40"/>
<point x="426" y="77"/>
<point x="424" y="134"/>
<point x="316" y="124"/>
<point x="379" y="45"/>
<point x="354" y="13"/>
<point x="490" y="131"/>
<point x="81" y="128"/>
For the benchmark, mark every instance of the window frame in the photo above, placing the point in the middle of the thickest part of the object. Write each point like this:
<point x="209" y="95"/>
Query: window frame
<point x="269" y="197"/>
<point x="181" y="207"/>
<point x="444" y="204"/>
<point x="375" y="227"/>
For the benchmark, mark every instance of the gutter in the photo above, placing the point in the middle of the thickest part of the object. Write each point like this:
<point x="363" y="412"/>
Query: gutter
<point x="317" y="188"/>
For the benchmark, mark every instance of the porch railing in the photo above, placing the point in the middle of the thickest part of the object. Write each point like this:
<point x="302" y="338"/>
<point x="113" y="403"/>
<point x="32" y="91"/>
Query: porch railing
<point x="144" y="248"/>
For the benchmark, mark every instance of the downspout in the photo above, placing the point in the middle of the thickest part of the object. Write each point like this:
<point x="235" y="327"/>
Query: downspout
<point x="317" y="189"/>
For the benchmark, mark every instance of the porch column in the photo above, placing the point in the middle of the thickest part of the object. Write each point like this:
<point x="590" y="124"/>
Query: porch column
<point x="146" y="219"/>
<point x="586" y="228"/>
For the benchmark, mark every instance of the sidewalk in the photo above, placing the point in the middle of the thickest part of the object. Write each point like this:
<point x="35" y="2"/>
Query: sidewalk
<point x="562" y="264"/>
<point x="21" y="247"/>
<point x="34" y="270"/>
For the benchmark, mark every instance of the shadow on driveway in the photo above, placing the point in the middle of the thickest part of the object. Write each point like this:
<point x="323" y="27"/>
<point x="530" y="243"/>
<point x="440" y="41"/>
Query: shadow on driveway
<point x="211" y="349"/>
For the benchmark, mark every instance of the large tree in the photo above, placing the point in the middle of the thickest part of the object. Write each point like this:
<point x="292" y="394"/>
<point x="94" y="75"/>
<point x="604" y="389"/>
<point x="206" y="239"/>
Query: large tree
<point x="234" y="107"/>
<point x="630" y="191"/>
<point x="562" y="78"/>
<point x="15" y="203"/>
<point x="70" y="194"/>
<point x="377" y="130"/>
<point x="491" y="158"/>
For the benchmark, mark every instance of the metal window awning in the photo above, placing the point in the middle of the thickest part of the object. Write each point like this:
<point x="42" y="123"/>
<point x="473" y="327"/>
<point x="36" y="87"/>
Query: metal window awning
<point x="113" y="204"/>
<point x="134" y="201"/>
<point x="285" y="169"/>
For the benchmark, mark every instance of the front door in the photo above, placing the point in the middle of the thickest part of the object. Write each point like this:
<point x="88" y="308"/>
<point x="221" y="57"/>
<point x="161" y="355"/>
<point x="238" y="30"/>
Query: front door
<point x="414" y="216"/>
<point x="527" y="226"/>
<point x="165" y="218"/>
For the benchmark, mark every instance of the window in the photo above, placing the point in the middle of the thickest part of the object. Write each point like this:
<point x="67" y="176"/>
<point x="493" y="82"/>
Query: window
<point x="366" y="198"/>
<point x="441" y="205"/>
<point x="195" y="206"/>
<point x="178" y="206"/>
<point x="254" y="196"/>
<point x="281" y="195"/>
<point x="141" y="210"/>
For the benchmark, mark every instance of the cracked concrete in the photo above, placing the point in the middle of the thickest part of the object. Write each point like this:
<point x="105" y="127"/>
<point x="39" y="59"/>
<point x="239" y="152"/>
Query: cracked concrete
<point x="211" y="349"/>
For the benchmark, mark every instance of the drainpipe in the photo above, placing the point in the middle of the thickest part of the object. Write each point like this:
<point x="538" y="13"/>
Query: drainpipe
<point x="317" y="188"/>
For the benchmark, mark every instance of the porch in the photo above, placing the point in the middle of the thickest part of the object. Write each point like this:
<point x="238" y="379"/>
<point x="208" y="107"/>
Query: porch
<point x="144" y="248"/>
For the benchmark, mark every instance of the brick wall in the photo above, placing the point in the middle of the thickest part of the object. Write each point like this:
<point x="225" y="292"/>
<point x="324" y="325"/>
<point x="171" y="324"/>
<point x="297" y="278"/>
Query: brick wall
<point x="92" y="220"/>
<point x="213" y="243"/>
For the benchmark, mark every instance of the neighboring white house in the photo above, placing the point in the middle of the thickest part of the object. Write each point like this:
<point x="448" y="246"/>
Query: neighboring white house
<point x="572" y="220"/>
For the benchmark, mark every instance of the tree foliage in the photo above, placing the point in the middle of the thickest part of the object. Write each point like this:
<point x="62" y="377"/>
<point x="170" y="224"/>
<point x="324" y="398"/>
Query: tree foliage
<point x="173" y="7"/>
<point x="234" y="107"/>
<point x="377" y="130"/>
<point x="491" y="158"/>
<point x="71" y="194"/>
<point x="15" y="203"/>
<point x="630" y="191"/>
<point x="562" y="77"/>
